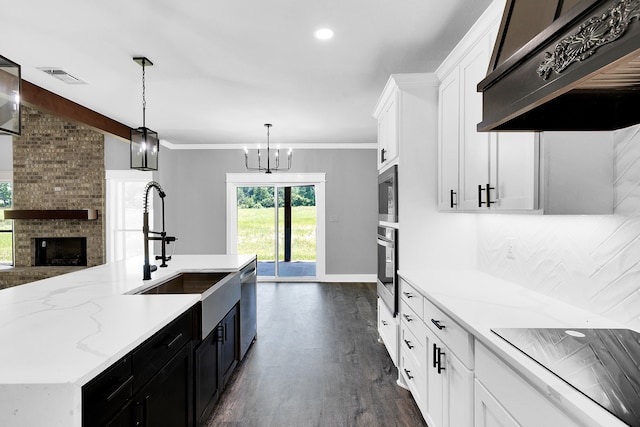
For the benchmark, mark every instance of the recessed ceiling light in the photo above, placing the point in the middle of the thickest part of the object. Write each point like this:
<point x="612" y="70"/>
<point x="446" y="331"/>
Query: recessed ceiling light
<point x="324" y="34"/>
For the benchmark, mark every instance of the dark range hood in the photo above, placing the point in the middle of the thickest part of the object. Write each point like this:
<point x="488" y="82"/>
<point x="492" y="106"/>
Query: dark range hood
<point x="564" y="65"/>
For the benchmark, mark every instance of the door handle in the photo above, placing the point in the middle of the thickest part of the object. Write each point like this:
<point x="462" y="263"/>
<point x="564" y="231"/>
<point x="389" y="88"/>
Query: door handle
<point x="452" y="204"/>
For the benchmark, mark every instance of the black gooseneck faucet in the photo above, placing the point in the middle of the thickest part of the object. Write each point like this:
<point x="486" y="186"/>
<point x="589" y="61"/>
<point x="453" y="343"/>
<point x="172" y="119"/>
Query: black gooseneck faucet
<point x="162" y="235"/>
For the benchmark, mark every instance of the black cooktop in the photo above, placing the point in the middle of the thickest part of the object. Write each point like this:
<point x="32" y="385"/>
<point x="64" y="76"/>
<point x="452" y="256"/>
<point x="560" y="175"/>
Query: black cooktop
<point x="603" y="364"/>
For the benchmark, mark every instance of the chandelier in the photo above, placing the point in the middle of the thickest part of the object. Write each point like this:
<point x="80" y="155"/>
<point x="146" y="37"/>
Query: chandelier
<point x="268" y="169"/>
<point x="145" y="143"/>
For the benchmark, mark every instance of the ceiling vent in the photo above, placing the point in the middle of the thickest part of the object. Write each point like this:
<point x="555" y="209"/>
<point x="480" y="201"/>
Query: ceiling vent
<point x="62" y="75"/>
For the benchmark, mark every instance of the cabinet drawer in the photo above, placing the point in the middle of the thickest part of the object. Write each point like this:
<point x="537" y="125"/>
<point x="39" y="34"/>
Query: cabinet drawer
<point x="107" y="393"/>
<point x="412" y="297"/>
<point x="154" y="353"/>
<point x="450" y="333"/>
<point x="388" y="330"/>
<point x="413" y="343"/>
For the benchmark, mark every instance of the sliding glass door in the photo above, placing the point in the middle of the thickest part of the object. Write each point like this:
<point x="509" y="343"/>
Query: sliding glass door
<point x="284" y="238"/>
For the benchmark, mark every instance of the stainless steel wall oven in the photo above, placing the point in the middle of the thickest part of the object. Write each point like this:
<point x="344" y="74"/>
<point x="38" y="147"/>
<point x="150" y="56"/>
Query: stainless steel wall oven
<point x="387" y="267"/>
<point x="388" y="195"/>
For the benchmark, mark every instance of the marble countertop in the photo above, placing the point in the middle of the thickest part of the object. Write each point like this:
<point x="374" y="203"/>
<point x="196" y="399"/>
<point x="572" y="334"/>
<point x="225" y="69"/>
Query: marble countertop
<point x="59" y="333"/>
<point x="480" y="302"/>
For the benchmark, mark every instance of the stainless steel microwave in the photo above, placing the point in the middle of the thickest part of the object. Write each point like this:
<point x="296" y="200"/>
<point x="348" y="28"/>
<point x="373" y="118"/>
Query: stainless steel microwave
<point x="388" y="195"/>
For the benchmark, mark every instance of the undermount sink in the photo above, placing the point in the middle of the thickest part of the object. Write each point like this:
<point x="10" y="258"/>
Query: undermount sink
<point x="188" y="283"/>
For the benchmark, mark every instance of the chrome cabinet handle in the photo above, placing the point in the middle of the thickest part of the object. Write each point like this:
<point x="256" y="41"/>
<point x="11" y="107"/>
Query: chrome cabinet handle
<point x="480" y="190"/>
<point x="384" y="323"/>
<point x="408" y="343"/>
<point x="452" y="204"/>
<point x="383" y="155"/>
<point x="406" y="316"/>
<point x="408" y="295"/>
<point x="437" y="323"/>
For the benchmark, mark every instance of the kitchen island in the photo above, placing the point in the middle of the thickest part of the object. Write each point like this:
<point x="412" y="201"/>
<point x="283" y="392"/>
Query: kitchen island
<point x="59" y="333"/>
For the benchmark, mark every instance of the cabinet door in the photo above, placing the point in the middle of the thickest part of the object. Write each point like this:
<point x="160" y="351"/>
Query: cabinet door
<point x="207" y="378"/>
<point x="167" y="400"/>
<point x="475" y="145"/>
<point x="488" y="412"/>
<point x="448" y="141"/>
<point x="229" y="348"/>
<point x="514" y="170"/>
<point x="387" y="132"/>
<point x="449" y="387"/>
<point x="458" y="401"/>
<point x="435" y="383"/>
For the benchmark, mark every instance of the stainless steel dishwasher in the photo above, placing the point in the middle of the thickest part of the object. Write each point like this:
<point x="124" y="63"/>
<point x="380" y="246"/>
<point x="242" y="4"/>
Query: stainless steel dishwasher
<point x="248" y="305"/>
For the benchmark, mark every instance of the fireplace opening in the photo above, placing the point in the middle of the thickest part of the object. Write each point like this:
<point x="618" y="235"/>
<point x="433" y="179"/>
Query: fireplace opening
<point x="61" y="251"/>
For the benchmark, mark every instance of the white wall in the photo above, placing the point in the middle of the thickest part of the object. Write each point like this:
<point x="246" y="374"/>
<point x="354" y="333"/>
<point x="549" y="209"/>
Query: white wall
<point x="427" y="238"/>
<point x="589" y="261"/>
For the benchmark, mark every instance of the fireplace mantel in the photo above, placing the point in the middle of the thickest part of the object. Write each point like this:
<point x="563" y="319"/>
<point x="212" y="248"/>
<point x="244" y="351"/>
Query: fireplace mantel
<point x="85" y="214"/>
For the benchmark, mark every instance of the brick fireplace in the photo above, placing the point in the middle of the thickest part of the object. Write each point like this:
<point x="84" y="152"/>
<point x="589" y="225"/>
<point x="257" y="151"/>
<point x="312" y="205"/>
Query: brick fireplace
<point x="56" y="165"/>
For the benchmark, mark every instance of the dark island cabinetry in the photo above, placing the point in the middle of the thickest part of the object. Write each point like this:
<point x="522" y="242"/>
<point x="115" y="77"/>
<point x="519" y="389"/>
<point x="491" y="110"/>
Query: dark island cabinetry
<point x="152" y="385"/>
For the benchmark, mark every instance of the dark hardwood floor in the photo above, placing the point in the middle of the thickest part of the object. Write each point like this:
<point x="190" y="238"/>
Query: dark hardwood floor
<point x="316" y="362"/>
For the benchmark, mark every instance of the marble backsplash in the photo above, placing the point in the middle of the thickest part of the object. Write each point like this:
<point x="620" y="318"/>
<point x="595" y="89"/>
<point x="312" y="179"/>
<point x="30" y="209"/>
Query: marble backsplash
<point x="592" y="262"/>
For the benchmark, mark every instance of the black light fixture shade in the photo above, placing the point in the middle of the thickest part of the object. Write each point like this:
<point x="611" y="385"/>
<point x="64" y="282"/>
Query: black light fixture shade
<point x="145" y="146"/>
<point x="10" y="92"/>
<point x="145" y="143"/>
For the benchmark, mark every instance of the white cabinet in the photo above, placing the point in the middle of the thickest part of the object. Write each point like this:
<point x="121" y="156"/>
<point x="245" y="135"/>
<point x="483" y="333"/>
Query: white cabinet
<point x="449" y="387"/>
<point x="400" y="112"/>
<point x="388" y="131"/>
<point x="448" y="139"/>
<point x="436" y="361"/>
<point x="480" y="171"/>
<point x="388" y="330"/>
<point x="503" y="398"/>
<point x="488" y="412"/>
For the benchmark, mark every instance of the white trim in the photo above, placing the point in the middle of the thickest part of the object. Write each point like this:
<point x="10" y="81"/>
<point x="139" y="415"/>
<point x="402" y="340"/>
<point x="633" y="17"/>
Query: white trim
<point x="235" y="180"/>
<point x="299" y="146"/>
<point x="6" y="176"/>
<point x="488" y="20"/>
<point x="367" y="278"/>
<point x="275" y="178"/>
<point x="328" y="278"/>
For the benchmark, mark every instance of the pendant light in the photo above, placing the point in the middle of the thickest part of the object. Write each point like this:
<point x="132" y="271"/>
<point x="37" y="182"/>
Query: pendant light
<point x="268" y="169"/>
<point x="145" y="143"/>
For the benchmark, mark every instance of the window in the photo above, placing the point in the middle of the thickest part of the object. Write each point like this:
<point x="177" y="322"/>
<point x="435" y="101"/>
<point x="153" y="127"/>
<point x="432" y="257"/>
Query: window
<point x="6" y="225"/>
<point x="125" y="193"/>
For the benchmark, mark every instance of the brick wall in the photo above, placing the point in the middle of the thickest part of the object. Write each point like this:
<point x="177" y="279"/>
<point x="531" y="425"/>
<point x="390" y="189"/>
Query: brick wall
<point x="57" y="165"/>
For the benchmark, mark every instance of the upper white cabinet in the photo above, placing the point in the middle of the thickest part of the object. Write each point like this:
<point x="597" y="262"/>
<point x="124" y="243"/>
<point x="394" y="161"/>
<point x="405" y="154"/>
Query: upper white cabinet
<point x="479" y="171"/>
<point x="388" y="131"/>
<point x="400" y="112"/>
<point x="547" y="172"/>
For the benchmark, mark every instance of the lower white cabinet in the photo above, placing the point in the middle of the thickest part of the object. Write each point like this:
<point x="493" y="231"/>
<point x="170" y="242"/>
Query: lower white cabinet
<point x="388" y="330"/>
<point x="449" y="387"/>
<point x="488" y="412"/>
<point x="503" y="398"/>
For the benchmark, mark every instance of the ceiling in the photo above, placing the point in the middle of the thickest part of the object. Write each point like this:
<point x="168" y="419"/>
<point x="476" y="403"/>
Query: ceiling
<point x="223" y="69"/>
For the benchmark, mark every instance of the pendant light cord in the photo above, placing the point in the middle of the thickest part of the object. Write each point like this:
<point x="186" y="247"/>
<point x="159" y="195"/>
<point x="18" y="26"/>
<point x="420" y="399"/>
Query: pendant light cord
<point x="144" y="101"/>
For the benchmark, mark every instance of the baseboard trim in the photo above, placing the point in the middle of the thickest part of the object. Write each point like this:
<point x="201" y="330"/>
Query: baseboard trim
<point x="349" y="278"/>
<point x="346" y="278"/>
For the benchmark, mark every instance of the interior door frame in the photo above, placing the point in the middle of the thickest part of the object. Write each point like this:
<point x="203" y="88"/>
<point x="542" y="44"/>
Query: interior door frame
<point x="235" y="180"/>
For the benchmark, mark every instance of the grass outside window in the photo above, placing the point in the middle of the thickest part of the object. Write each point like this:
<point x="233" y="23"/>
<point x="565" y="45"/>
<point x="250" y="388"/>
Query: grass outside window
<point x="256" y="233"/>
